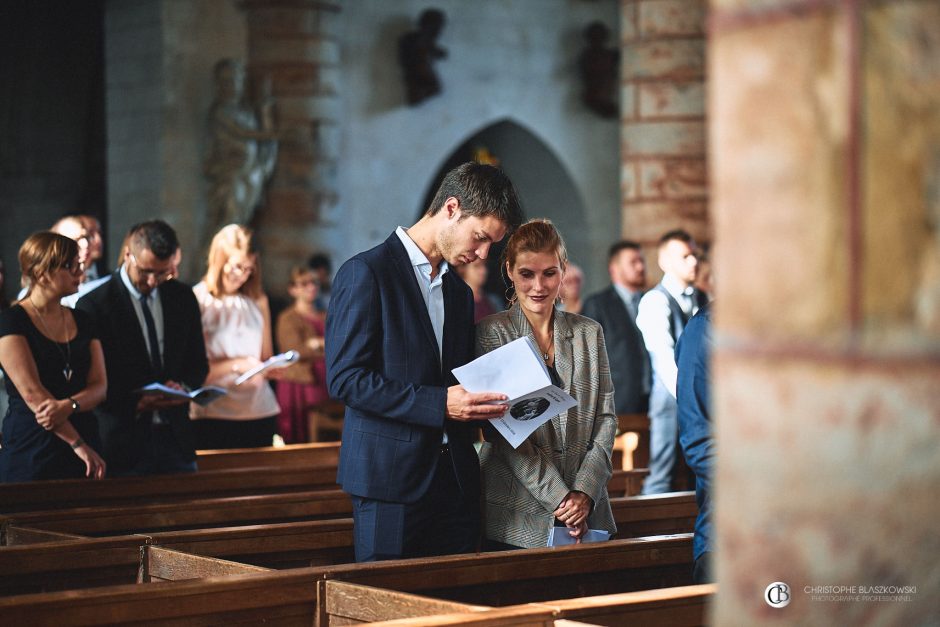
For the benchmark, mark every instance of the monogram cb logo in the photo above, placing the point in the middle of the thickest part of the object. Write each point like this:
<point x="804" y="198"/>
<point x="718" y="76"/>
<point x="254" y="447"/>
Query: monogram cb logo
<point x="777" y="594"/>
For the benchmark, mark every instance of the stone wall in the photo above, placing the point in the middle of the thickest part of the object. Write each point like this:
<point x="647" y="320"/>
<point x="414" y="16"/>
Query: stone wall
<point x="662" y="149"/>
<point x="159" y="57"/>
<point x="825" y="135"/>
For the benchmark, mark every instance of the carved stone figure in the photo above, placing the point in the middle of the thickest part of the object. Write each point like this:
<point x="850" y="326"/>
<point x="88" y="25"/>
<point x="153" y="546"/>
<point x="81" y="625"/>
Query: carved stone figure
<point x="243" y="148"/>
<point x="599" y="68"/>
<point x="417" y="52"/>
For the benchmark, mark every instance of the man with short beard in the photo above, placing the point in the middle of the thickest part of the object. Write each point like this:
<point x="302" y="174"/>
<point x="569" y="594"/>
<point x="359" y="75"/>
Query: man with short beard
<point x="664" y="312"/>
<point x="399" y="322"/>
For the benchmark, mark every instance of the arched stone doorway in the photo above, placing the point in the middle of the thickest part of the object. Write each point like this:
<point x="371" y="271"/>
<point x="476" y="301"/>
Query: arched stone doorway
<point x="545" y="187"/>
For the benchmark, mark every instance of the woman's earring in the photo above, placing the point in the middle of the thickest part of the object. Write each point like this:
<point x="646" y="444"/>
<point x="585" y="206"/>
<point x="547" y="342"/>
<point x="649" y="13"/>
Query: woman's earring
<point x="511" y="297"/>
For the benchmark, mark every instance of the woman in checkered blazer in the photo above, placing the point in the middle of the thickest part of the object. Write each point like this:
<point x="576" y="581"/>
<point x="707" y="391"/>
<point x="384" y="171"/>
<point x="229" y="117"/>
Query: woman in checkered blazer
<point x="558" y="476"/>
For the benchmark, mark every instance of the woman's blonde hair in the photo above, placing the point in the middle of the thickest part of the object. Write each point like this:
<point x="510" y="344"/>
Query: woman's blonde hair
<point x="42" y="254"/>
<point x="231" y="240"/>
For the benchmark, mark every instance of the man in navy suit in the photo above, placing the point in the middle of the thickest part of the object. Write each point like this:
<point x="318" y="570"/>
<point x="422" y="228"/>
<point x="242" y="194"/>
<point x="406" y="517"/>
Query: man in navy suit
<point x="399" y="322"/>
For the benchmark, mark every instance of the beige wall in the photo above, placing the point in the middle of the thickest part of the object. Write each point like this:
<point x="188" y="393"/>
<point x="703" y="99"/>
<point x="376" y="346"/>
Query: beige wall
<point x="825" y="163"/>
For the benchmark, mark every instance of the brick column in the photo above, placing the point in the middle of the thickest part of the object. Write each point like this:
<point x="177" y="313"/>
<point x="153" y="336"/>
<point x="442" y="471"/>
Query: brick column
<point x="293" y="42"/>
<point x="825" y="134"/>
<point x="663" y="176"/>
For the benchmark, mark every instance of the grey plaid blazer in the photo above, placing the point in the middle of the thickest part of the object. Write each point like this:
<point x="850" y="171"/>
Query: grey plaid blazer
<point x="572" y="451"/>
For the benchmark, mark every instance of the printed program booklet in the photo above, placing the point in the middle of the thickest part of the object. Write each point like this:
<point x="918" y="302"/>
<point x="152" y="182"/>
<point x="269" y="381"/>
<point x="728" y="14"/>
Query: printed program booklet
<point x="278" y="361"/>
<point x="559" y="536"/>
<point x="517" y="370"/>
<point x="202" y="396"/>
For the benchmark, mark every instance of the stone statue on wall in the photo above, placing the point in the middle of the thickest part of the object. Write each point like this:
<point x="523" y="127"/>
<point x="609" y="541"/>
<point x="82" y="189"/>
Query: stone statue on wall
<point x="243" y="147"/>
<point x="417" y="52"/>
<point x="599" y="71"/>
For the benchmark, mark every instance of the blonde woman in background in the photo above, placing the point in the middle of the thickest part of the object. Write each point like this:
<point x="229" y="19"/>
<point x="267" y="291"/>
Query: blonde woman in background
<point x="302" y="385"/>
<point x="236" y="322"/>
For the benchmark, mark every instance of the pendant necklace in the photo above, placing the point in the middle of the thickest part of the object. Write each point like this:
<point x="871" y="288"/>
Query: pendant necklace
<point x="67" y="355"/>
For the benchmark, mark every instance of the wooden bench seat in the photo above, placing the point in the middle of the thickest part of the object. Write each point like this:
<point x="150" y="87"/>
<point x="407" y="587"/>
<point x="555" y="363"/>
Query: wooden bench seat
<point x="127" y="491"/>
<point x="92" y="562"/>
<point x="291" y="455"/>
<point x="196" y="513"/>
<point x="291" y="597"/>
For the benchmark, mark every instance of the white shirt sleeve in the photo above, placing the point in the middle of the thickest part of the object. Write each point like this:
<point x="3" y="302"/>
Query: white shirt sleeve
<point x="653" y="320"/>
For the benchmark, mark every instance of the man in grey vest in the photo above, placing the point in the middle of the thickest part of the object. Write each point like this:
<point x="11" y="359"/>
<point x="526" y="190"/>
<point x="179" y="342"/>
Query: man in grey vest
<point x="663" y="314"/>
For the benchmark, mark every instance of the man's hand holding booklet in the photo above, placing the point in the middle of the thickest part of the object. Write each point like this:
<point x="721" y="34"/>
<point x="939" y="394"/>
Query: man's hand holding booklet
<point x="516" y="369"/>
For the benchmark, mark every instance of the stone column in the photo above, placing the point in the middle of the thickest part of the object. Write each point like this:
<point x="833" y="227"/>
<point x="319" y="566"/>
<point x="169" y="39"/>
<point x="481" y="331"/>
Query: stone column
<point x="294" y="43"/>
<point x="663" y="120"/>
<point x="825" y="153"/>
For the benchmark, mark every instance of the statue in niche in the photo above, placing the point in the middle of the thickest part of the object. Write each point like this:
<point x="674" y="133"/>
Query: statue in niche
<point x="599" y="71"/>
<point x="417" y="52"/>
<point x="243" y="147"/>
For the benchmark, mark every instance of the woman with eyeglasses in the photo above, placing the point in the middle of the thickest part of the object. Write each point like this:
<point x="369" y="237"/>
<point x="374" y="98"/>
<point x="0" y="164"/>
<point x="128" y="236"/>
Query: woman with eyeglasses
<point x="55" y="371"/>
<point x="236" y="322"/>
<point x="302" y="385"/>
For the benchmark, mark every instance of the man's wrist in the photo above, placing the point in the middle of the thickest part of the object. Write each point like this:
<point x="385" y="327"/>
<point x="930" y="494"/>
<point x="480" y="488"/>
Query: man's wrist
<point x="77" y="443"/>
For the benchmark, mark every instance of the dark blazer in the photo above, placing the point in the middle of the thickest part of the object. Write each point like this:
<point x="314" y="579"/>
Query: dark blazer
<point x="124" y="434"/>
<point x="629" y="361"/>
<point x="382" y="362"/>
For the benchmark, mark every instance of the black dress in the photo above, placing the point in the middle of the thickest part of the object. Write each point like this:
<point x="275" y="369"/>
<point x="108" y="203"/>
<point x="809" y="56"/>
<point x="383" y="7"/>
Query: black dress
<point x="29" y="452"/>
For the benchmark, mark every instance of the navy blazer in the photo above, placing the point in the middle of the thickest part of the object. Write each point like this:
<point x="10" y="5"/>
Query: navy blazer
<point x="123" y="433"/>
<point x="629" y="362"/>
<point x="382" y="362"/>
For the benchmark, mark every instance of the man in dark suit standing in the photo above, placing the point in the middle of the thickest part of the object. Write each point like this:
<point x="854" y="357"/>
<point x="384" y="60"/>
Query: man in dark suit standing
<point x="399" y="321"/>
<point x="150" y="330"/>
<point x="615" y="308"/>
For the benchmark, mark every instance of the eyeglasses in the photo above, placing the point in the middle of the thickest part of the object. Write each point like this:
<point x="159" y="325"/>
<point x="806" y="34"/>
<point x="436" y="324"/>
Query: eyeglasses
<point x="239" y="269"/>
<point x="158" y="275"/>
<point x="74" y="266"/>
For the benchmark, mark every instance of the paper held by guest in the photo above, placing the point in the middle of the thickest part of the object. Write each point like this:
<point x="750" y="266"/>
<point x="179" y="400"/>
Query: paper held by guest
<point x="516" y="369"/>
<point x="202" y="396"/>
<point x="278" y="361"/>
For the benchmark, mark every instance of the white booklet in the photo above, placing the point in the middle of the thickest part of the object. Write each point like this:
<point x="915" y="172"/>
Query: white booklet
<point x="559" y="536"/>
<point x="202" y="396"/>
<point x="517" y="370"/>
<point x="278" y="361"/>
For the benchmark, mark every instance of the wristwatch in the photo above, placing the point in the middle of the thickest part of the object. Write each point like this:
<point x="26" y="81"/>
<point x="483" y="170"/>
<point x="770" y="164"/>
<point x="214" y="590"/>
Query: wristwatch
<point x="76" y="407"/>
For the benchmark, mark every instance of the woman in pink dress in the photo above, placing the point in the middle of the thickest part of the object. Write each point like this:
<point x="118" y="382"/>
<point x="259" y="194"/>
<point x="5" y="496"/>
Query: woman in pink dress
<point x="301" y="385"/>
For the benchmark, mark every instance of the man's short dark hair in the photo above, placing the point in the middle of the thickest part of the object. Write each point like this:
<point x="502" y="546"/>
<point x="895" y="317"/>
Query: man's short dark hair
<point x="318" y="261"/>
<point x="156" y="236"/>
<point x="678" y="235"/>
<point x="482" y="191"/>
<point x="617" y="247"/>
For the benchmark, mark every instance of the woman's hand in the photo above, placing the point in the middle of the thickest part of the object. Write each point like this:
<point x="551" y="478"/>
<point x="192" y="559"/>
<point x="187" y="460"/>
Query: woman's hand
<point x="578" y="532"/>
<point x="52" y="412"/>
<point x="574" y="509"/>
<point x="94" y="465"/>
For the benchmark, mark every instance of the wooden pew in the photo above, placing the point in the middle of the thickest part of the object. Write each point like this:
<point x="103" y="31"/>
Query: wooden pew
<point x="639" y="424"/>
<point x="316" y="454"/>
<point x="657" y="514"/>
<point x="68" y="562"/>
<point x="290" y="597"/>
<point x="70" y="493"/>
<point x="626" y="482"/>
<point x="93" y="562"/>
<point x="679" y="607"/>
<point x="535" y="574"/>
<point x="195" y="513"/>
<point x="162" y="564"/>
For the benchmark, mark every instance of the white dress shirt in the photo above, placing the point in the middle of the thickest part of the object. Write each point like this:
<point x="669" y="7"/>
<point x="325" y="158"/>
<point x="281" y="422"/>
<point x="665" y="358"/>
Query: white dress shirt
<point x="654" y="320"/>
<point x="431" y="290"/>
